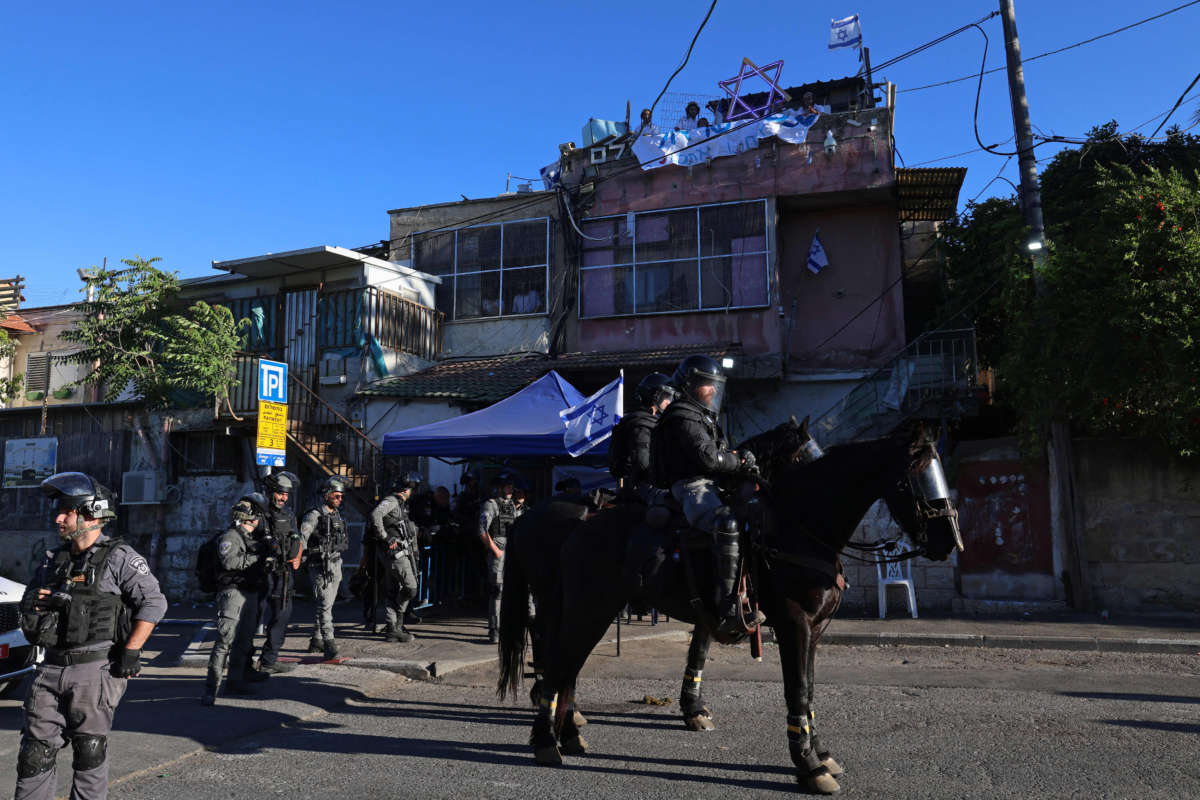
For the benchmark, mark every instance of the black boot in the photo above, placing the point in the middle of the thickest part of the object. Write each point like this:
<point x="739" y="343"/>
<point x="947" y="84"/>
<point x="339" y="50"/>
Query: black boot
<point x="316" y="645"/>
<point x="410" y="618"/>
<point x="210" y="695"/>
<point x="331" y="649"/>
<point x="725" y="563"/>
<point x="389" y="634"/>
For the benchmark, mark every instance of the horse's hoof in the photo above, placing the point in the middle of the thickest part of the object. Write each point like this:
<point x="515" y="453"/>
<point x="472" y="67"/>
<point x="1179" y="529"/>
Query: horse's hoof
<point x="698" y="722"/>
<point x="820" y="782"/>
<point x="575" y="746"/>
<point x="579" y="719"/>
<point x="548" y="756"/>
<point x="831" y="764"/>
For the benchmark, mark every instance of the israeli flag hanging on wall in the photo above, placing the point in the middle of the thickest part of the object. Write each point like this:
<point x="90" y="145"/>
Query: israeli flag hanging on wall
<point x="817" y="260"/>
<point x="591" y="422"/>
<point x="845" y="32"/>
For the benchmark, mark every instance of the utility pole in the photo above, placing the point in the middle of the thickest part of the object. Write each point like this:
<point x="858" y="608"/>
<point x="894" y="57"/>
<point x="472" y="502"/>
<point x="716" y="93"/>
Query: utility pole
<point x="866" y="59"/>
<point x="1059" y="455"/>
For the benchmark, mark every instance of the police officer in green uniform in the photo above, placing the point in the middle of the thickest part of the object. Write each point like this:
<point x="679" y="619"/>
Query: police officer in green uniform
<point x="397" y="535"/>
<point x="282" y="538"/>
<point x="495" y="518"/>
<point x="92" y="604"/>
<point x="241" y="576"/>
<point x="323" y="537"/>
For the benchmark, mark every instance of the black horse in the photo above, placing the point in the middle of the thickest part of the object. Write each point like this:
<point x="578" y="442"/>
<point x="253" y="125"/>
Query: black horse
<point x="799" y="521"/>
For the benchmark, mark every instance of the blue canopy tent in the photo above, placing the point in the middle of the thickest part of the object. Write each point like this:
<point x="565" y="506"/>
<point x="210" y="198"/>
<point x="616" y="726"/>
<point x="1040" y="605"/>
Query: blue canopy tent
<point x="525" y="424"/>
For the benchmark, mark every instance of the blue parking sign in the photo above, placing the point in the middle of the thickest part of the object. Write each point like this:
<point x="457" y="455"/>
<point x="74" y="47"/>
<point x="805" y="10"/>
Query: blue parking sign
<point x="272" y="381"/>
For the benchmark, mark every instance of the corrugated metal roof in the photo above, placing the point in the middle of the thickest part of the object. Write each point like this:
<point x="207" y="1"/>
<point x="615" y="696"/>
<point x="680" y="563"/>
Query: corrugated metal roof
<point x="929" y="193"/>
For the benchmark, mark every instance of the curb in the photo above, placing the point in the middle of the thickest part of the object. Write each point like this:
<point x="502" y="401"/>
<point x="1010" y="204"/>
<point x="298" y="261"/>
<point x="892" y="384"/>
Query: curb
<point x="1079" y="643"/>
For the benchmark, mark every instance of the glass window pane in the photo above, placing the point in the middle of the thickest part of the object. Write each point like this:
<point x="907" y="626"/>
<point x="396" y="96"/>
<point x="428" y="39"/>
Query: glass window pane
<point x="666" y="287"/>
<point x="434" y="253"/>
<point x="734" y="281"/>
<point x="477" y="295"/>
<point x="732" y="230"/>
<point x="478" y="248"/>
<point x="444" y="297"/>
<point x="606" y="292"/>
<point x="524" y="244"/>
<point x="666" y="235"/>
<point x="615" y="247"/>
<point x="525" y="291"/>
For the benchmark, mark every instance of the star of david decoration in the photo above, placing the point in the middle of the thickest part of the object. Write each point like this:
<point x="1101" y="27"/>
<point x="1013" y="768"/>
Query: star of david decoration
<point x="599" y="415"/>
<point x="749" y="70"/>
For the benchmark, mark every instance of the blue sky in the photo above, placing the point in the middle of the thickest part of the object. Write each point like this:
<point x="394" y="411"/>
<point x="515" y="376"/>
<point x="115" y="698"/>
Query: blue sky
<point x="225" y="130"/>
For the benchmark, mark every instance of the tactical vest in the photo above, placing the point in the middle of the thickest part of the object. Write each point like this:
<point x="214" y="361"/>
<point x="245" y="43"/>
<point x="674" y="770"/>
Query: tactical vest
<point x="333" y="538"/>
<point x="93" y="616"/>
<point x="283" y="528"/>
<point x="622" y="451"/>
<point x="505" y="517"/>
<point x="682" y="427"/>
<point x="239" y="578"/>
<point x="395" y="525"/>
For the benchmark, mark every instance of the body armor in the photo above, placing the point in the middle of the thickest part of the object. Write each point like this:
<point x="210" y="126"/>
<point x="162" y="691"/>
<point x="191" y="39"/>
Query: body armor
<point x="396" y="524"/>
<point x="506" y="514"/>
<point x="629" y="453"/>
<point x="333" y="534"/>
<point x="687" y="444"/>
<point x="282" y="524"/>
<point x="80" y="614"/>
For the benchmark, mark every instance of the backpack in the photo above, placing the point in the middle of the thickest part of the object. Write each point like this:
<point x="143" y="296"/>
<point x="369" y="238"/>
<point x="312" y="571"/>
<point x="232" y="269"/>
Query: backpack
<point x="208" y="564"/>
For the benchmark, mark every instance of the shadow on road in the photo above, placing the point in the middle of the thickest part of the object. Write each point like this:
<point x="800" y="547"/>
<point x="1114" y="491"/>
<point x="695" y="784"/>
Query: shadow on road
<point x="1135" y="696"/>
<point x="1151" y="725"/>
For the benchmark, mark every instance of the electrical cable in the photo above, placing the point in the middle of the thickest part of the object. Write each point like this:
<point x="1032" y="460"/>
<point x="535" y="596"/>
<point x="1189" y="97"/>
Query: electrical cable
<point x="978" y="92"/>
<point x="1059" y="50"/>
<point x="687" y="56"/>
<point x="922" y="48"/>
<point x="993" y="180"/>
<point x="1177" y="103"/>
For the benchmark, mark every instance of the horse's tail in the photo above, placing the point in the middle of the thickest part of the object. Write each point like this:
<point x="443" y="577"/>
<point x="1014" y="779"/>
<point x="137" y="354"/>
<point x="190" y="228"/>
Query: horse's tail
<point x="514" y="619"/>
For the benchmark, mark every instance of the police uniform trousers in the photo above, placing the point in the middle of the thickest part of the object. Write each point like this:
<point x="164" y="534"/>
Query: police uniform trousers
<point x="325" y="583"/>
<point x="495" y="581"/>
<point x="401" y="588"/>
<point x="237" y="615"/>
<point x="64" y="702"/>
<point x="700" y="500"/>
<point x="277" y="612"/>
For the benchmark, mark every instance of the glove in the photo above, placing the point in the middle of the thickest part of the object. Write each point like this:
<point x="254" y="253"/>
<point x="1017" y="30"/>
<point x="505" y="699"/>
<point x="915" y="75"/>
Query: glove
<point x="748" y="461"/>
<point x="129" y="664"/>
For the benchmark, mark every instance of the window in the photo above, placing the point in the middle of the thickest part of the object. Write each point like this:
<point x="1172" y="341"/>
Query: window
<point x="37" y="372"/>
<point x="500" y="270"/>
<point x="204" y="453"/>
<point x="259" y="335"/>
<point x="689" y="259"/>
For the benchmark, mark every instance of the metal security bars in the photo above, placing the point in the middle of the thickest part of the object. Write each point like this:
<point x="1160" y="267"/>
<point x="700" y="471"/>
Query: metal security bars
<point x="676" y="260"/>
<point x="350" y="316"/>
<point x="497" y="270"/>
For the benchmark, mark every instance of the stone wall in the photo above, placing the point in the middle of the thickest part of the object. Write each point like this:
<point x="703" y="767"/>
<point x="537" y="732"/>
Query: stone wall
<point x="1140" y="515"/>
<point x="935" y="581"/>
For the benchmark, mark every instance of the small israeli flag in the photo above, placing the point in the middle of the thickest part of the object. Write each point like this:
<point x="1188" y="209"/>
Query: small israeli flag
<point x="845" y="32"/>
<point x="817" y="260"/>
<point x="591" y="422"/>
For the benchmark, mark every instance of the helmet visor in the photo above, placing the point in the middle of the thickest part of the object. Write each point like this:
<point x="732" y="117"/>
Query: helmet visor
<point x="709" y="392"/>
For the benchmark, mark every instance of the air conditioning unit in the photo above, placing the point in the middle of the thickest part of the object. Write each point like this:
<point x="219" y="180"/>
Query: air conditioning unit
<point x="142" y="488"/>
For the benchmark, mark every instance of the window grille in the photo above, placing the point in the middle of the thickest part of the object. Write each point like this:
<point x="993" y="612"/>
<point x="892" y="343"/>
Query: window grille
<point x="37" y="372"/>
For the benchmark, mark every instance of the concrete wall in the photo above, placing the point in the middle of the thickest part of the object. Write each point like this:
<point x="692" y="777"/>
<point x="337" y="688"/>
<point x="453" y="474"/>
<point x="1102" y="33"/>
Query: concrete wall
<point x="1140" y="511"/>
<point x="50" y="322"/>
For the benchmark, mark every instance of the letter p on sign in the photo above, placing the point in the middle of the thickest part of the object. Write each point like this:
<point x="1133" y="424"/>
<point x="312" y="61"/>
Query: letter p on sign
<point x="272" y="381"/>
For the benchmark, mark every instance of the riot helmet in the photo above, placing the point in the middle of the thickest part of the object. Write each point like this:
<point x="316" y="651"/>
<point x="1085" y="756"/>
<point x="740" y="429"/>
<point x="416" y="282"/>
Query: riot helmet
<point x="249" y="508"/>
<point x="75" y="491"/>
<point x="501" y="480"/>
<point x="257" y="502"/>
<point x="653" y="389"/>
<point x="409" y="480"/>
<point x="282" y="482"/>
<point x="334" y="483"/>
<point x="699" y="378"/>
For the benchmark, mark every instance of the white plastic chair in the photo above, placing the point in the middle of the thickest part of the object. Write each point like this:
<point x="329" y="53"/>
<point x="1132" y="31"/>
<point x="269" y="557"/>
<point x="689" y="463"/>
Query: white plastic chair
<point x="898" y="573"/>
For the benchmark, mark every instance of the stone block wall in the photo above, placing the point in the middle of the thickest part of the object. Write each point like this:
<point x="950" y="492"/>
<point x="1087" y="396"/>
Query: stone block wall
<point x="935" y="582"/>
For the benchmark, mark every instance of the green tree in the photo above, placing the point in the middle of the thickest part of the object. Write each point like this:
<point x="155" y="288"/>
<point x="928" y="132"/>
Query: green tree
<point x="9" y="387"/>
<point x="133" y="334"/>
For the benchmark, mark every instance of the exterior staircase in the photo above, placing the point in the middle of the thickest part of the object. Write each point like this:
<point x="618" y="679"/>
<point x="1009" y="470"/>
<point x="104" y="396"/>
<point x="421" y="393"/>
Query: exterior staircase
<point x="932" y="378"/>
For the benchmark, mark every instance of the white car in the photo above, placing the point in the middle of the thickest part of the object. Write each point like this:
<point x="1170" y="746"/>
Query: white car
<point x="17" y="656"/>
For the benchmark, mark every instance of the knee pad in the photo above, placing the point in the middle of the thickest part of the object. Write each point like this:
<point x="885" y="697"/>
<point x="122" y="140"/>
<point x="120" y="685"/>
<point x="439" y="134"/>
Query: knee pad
<point x="90" y="751"/>
<point x="35" y="757"/>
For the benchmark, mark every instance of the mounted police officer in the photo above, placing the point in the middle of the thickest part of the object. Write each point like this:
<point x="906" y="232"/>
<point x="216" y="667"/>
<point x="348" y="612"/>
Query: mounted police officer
<point x="282" y="539"/>
<point x="241" y="577"/>
<point x="688" y="454"/>
<point x="629" y="452"/>
<point x="392" y="527"/>
<point x="324" y="539"/>
<point x="92" y="604"/>
<point x="496" y="516"/>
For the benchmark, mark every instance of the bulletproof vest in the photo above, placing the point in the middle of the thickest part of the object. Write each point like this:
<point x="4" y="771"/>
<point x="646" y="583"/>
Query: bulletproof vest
<point x="623" y="461"/>
<point x="505" y="516"/>
<point x="242" y="577"/>
<point x="684" y="426"/>
<point x="395" y="524"/>
<point x="94" y="616"/>
<point x="282" y="524"/>
<point x="333" y="533"/>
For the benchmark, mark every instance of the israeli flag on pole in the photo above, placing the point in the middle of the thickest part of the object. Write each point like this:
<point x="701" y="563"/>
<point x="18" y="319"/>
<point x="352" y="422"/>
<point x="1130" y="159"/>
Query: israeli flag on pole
<point x="817" y="260"/>
<point x="591" y="422"/>
<point x="845" y="32"/>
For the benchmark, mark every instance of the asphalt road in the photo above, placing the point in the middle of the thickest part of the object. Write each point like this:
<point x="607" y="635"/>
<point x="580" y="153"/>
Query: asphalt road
<point x="904" y="721"/>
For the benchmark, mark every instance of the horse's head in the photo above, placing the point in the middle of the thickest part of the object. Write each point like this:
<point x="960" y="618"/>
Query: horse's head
<point x="782" y="446"/>
<point x="920" y="501"/>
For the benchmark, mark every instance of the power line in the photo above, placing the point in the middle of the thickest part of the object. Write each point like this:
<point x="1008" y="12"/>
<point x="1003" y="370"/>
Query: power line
<point x="1177" y="102"/>
<point x="922" y="48"/>
<point x="688" y="55"/>
<point x="1059" y="50"/>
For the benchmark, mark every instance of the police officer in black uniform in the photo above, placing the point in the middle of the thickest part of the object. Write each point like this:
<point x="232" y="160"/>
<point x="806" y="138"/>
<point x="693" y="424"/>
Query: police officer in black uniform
<point x="241" y="577"/>
<point x="496" y="516"/>
<point x="92" y="604"/>
<point x="629" y="451"/>
<point x="323" y="538"/>
<point x="396" y="534"/>
<point x="688" y="453"/>
<point x="282" y="538"/>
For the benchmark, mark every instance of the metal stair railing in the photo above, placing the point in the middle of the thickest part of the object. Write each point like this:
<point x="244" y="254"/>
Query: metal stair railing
<point x="334" y="443"/>
<point x="933" y="376"/>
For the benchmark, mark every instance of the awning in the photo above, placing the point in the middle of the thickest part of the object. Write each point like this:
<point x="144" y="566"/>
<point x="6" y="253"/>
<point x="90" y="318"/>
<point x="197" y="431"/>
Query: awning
<point x="525" y="424"/>
<point x="312" y="258"/>
<point x="16" y="323"/>
<point x="929" y="193"/>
